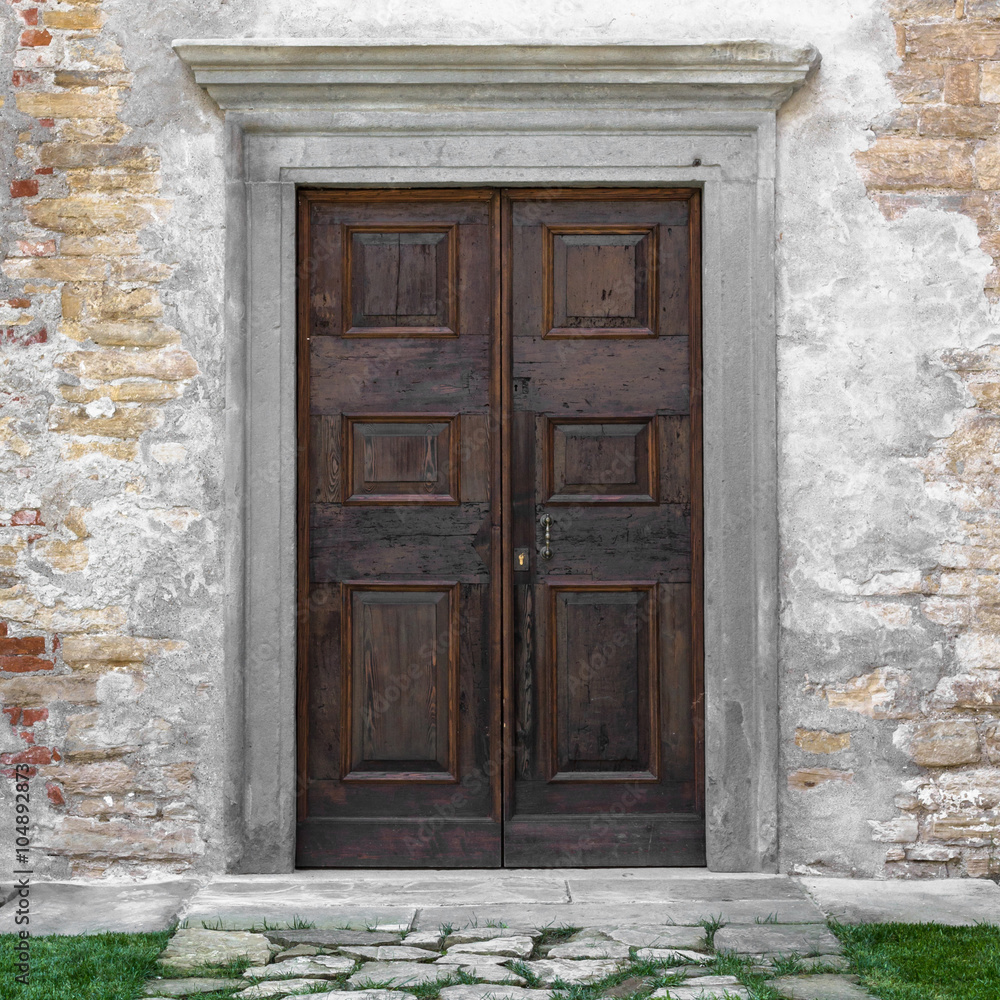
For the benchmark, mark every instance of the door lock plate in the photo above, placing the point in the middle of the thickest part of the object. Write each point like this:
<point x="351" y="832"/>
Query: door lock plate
<point x="522" y="560"/>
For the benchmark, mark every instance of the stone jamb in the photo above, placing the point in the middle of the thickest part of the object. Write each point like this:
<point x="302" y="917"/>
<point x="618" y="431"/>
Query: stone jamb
<point x="313" y="112"/>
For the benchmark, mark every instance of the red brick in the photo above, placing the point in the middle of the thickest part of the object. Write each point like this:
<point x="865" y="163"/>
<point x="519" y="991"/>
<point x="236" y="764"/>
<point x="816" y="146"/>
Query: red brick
<point x="12" y="712"/>
<point x="33" y="37"/>
<point x="47" y="122"/>
<point x="44" y="170"/>
<point x="24" y="664"/>
<point x="29" y="645"/>
<point x="30" y="16"/>
<point x="3" y="625"/>
<point x="22" y="338"/>
<point x="22" y="76"/>
<point x="30" y="716"/>
<point x="27" y="515"/>
<point x="28" y="736"/>
<point x="9" y="772"/>
<point x="33" y="755"/>
<point x="15" y="304"/>
<point x="26" y="188"/>
<point x="54" y="792"/>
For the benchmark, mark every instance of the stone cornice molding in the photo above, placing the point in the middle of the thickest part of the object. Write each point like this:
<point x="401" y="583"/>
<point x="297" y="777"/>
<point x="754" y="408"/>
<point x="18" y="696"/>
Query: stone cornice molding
<point x="306" y="74"/>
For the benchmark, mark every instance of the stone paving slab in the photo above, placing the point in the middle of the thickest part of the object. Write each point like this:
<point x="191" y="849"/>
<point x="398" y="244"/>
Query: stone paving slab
<point x="399" y="973"/>
<point x="468" y="934"/>
<point x="623" y="914"/>
<point x="192" y="947"/>
<point x="589" y="949"/>
<point x="822" y="987"/>
<point x="774" y="939"/>
<point x="594" y="887"/>
<point x="660" y="937"/>
<point x="90" y="908"/>
<point x="944" y="901"/>
<point x="482" y="967"/>
<point x="332" y="938"/>
<point x="317" y="967"/>
<point x="188" y="987"/>
<point x="573" y="972"/>
<point x="390" y="889"/>
<point x="387" y="952"/>
<point x="507" y="946"/>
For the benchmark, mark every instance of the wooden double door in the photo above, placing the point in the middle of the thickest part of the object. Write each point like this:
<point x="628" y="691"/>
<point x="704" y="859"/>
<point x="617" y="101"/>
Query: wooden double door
<point x="499" y="528"/>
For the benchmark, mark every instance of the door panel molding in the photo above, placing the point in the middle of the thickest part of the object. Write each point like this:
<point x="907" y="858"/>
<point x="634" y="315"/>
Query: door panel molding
<point x="618" y="115"/>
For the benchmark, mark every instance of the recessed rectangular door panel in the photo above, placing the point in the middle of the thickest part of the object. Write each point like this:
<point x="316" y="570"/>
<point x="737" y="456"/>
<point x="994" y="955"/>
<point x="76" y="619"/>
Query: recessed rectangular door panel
<point x="603" y="668"/>
<point x="399" y="529"/>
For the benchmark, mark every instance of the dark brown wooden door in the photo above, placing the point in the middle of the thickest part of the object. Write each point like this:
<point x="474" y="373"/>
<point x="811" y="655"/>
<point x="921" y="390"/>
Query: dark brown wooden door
<point x="603" y="707"/>
<point x="399" y="684"/>
<point x="500" y="519"/>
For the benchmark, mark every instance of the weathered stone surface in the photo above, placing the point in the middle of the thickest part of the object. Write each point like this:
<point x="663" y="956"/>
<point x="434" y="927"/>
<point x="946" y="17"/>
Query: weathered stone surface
<point x="188" y="987"/>
<point x="820" y="741"/>
<point x="660" y="937"/>
<point x="587" y="971"/>
<point x="822" y="987"/>
<point x="492" y="991"/>
<point x="191" y="947"/>
<point x="704" y="988"/>
<point x="430" y="940"/>
<point x="299" y="949"/>
<point x="387" y="952"/>
<point x="589" y="949"/>
<point x="333" y="938"/>
<point x="468" y="935"/>
<point x="511" y="947"/>
<point x="314" y="966"/>
<point x="940" y="744"/>
<point x="64" y="908"/>
<point x="400" y="973"/>
<point x="947" y="901"/>
<point x="807" y="778"/>
<point x="731" y="908"/>
<point x="276" y="989"/>
<point x="779" y="939"/>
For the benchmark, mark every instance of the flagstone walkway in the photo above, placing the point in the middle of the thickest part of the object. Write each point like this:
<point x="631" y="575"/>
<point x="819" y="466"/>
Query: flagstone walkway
<point x="609" y="934"/>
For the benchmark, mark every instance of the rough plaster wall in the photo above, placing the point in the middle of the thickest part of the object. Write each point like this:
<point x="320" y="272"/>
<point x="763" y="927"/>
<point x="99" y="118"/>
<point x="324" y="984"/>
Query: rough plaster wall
<point x="868" y="307"/>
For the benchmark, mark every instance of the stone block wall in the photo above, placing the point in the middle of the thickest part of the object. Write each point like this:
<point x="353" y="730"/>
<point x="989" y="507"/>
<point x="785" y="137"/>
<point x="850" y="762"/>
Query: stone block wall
<point x="112" y="538"/>
<point x="939" y="150"/>
<point x="90" y="366"/>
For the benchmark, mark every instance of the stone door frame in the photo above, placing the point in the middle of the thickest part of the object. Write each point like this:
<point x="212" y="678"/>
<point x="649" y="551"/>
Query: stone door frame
<point x="318" y="112"/>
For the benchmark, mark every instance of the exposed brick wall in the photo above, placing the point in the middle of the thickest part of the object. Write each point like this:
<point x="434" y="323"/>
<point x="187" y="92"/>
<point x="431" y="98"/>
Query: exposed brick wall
<point x="941" y="150"/>
<point x="88" y="363"/>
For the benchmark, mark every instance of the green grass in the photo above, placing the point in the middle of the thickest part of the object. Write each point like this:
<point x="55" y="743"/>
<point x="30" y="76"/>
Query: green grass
<point x="93" y="967"/>
<point x="924" y="961"/>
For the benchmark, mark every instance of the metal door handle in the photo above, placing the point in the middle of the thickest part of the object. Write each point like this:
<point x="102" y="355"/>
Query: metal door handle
<point x="547" y="523"/>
